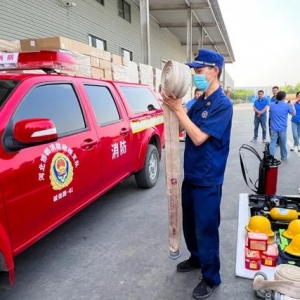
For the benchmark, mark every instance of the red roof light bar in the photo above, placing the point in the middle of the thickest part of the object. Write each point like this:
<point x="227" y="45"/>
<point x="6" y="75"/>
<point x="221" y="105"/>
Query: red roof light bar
<point x="36" y="60"/>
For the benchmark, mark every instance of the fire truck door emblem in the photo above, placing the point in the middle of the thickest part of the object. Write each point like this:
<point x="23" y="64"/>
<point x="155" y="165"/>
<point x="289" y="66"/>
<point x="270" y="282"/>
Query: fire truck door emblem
<point x="61" y="171"/>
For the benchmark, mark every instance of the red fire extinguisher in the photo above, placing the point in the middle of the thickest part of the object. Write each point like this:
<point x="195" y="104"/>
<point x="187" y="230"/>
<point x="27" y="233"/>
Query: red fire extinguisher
<point x="267" y="174"/>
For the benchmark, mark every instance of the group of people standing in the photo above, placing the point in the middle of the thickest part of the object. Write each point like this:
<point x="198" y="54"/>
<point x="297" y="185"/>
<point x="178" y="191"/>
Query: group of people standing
<point x="278" y="118"/>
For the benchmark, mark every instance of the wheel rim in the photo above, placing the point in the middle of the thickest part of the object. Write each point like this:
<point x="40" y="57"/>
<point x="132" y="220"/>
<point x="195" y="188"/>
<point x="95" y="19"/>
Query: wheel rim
<point x="153" y="167"/>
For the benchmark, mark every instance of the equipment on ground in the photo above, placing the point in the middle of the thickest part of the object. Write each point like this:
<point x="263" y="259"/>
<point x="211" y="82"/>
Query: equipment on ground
<point x="268" y="171"/>
<point x="283" y="214"/>
<point x="267" y="202"/>
<point x="260" y="224"/>
<point x="280" y="210"/>
<point x="292" y="230"/>
<point x="286" y="282"/>
<point x="294" y="246"/>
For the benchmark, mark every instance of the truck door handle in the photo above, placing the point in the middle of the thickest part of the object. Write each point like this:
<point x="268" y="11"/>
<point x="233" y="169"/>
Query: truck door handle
<point x="88" y="144"/>
<point x="124" y="131"/>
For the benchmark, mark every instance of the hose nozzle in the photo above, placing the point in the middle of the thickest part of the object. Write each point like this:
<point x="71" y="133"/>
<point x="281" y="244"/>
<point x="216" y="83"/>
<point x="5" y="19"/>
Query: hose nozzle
<point x="175" y="255"/>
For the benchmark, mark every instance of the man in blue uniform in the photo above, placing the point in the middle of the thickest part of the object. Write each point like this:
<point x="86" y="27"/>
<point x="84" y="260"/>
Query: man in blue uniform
<point x="296" y="123"/>
<point x="260" y="108"/>
<point x="279" y="111"/>
<point x="275" y="90"/>
<point x="208" y="127"/>
<point x="197" y="94"/>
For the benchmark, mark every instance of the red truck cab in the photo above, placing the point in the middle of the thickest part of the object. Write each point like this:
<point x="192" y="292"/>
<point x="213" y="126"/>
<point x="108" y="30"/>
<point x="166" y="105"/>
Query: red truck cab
<point x="65" y="141"/>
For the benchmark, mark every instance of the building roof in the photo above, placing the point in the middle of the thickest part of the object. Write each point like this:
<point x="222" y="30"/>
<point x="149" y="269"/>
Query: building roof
<point x="172" y="15"/>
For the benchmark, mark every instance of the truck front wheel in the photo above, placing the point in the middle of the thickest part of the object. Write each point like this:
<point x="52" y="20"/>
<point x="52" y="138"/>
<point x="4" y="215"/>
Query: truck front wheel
<point x="147" y="177"/>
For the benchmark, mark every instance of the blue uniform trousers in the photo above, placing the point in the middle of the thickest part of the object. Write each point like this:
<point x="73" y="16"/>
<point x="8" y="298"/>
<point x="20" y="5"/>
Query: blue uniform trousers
<point x="201" y="220"/>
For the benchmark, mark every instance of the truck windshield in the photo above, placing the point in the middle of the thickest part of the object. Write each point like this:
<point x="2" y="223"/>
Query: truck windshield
<point x="6" y="88"/>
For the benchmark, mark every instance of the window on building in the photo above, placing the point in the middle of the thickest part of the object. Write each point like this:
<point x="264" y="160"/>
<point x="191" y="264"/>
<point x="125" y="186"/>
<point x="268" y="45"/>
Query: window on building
<point x="124" y="10"/>
<point x="97" y="42"/>
<point x="100" y="1"/>
<point x="127" y="54"/>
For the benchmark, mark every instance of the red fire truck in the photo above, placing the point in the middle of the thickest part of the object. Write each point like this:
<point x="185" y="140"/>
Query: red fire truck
<point x="66" y="140"/>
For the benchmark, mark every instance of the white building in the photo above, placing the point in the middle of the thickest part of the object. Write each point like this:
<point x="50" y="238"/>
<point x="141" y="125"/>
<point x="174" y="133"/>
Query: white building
<point x="146" y="31"/>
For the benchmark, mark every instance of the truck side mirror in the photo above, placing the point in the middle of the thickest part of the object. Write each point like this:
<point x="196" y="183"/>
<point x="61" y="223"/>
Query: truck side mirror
<point x="30" y="132"/>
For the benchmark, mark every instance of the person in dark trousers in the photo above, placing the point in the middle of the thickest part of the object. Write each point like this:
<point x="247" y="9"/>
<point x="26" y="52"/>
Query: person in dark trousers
<point x="208" y="127"/>
<point x="275" y="90"/>
<point x="260" y="108"/>
<point x="279" y="111"/>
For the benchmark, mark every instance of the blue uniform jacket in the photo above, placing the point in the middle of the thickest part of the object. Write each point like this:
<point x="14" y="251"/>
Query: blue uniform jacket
<point x="261" y="104"/>
<point x="296" y="118"/>
<point x="204" y="165"/>
<point x="279" y="115"/>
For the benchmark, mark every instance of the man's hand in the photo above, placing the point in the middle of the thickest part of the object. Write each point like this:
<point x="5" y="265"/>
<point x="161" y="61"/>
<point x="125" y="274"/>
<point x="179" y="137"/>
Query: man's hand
<point x="172" y="102"/>
<point x="196" y="135"/>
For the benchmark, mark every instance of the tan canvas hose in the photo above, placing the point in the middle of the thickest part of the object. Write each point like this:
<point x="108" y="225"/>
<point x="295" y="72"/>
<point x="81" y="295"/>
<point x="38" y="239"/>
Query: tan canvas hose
<point x="278" y="296"/>
<point x="286" y="281"/>
<point x="176" y="79"/>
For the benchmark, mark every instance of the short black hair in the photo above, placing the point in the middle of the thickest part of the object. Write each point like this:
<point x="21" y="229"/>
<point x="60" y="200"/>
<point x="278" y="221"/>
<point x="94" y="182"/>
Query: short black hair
<point x="280" y="95"/>
<point x="197" y="90"/>
<point x="275" y="87"/>
<point x="297" y="94"/>
<point x="260" y="91"/>
<point x="220" y="73"/>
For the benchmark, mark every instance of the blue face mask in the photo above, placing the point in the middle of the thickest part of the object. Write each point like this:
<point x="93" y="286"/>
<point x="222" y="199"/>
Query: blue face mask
<point x="201" y="82"/>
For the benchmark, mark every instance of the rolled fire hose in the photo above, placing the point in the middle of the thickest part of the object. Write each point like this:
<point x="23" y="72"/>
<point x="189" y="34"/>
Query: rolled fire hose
<point x="286" y="281"/>
<point x="176" y="79"/>
<point x="278" y="296"/>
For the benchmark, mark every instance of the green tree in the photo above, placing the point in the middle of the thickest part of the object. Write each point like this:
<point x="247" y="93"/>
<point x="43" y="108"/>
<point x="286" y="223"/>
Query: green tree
<point x="289" y="89"/>
<point x="241" y="94"/>
<point x="297" y="87"/>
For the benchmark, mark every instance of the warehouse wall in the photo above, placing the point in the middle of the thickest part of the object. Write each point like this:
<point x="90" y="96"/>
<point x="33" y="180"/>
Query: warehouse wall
<point x="42" y="18"/>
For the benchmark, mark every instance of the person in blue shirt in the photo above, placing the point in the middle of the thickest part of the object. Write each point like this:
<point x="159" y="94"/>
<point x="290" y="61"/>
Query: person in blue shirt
<point x="296" y="124"/>
<point x="260" y="108"/>
<point x="279" y="111"/>
<point x="227" y="93"/>
<point x="275" y="90"/>
<point x="197" y="94"/>
<point x="208" y="127"/>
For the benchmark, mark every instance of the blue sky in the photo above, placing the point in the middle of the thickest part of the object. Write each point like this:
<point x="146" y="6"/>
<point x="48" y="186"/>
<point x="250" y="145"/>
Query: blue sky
<point x="265" y="37"/>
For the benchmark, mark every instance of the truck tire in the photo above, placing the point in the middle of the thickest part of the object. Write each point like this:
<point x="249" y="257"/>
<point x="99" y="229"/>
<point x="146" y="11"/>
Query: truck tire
<point x="147" y="177"/>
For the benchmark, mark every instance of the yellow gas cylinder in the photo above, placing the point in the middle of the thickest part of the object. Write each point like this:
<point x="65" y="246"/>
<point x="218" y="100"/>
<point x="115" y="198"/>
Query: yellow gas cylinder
<point x="283" y="214"/>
